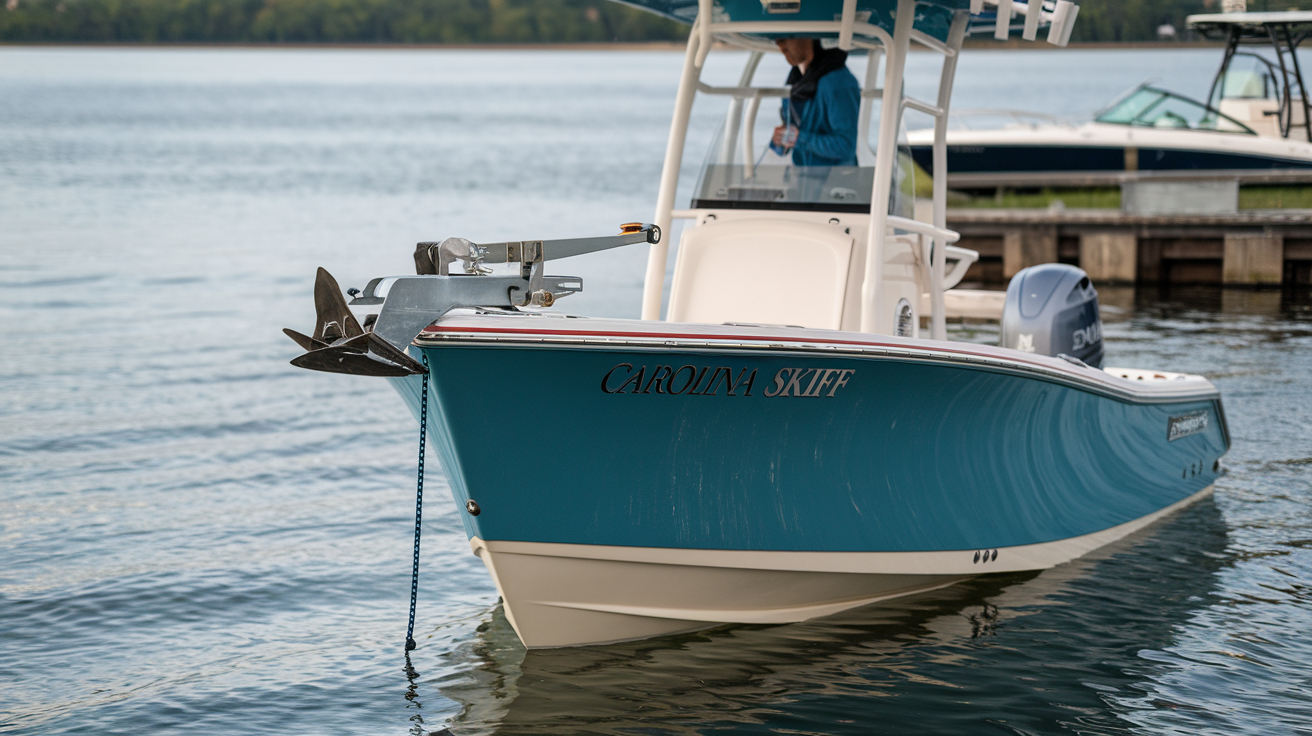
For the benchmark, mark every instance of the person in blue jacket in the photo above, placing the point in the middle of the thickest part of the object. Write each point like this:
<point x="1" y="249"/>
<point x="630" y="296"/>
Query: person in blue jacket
<point x="820" y="113"/>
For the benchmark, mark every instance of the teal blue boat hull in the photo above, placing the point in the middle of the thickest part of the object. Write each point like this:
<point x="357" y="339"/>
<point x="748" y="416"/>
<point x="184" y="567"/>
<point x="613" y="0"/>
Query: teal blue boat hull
<point x="908" y="454"/>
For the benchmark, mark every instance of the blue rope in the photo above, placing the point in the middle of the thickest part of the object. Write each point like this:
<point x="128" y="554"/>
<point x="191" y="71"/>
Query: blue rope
<point x="419" y="508"/>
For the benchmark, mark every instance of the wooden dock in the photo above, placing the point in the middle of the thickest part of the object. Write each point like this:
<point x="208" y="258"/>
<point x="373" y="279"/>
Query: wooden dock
<point x="1254" y="248"/>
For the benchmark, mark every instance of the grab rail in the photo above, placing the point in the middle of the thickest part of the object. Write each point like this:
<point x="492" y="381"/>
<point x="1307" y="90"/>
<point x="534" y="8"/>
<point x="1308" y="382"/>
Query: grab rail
<point x="923" y="228"/>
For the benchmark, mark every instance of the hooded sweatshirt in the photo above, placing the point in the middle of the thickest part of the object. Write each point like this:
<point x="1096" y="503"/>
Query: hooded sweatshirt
<point x="823" y="104"/>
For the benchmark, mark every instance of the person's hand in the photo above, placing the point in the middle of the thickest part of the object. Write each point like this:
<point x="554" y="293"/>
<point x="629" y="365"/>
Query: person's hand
<point x="784" y="136"/>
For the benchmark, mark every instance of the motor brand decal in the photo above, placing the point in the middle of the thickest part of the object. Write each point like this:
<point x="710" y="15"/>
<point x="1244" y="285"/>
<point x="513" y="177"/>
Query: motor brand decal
<point x="691" y="380"/>
<point x="1086" y="336"/>
<point x="1185" y="425"/>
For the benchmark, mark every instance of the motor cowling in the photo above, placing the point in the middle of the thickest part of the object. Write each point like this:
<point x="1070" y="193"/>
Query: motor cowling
<point x="1052" y="309"/>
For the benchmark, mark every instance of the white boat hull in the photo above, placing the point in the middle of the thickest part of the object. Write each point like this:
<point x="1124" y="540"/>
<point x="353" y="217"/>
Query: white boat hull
<point x="1101" y="147"/>
<point x="560" y="595"/>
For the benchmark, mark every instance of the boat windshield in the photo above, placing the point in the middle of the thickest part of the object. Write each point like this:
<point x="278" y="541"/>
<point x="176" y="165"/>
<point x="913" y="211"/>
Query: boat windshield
<point x="1249" y="77"/>
<point x="742" y="171"/>
<point x="1150" y="107"/>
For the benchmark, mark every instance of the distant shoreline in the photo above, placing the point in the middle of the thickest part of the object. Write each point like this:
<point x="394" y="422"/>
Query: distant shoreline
<point x="615" y="46"/>
<point x="973" y="45"/>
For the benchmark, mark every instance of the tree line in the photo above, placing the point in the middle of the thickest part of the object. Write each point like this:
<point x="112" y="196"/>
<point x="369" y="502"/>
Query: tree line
<point x="330" y="21"/>
<point x="1116" y="21"/>
<point x="453" y="21"/>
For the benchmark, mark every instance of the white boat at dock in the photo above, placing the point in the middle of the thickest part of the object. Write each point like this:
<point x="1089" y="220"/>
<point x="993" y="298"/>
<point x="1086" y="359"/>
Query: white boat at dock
<point x="1255" y="119"/>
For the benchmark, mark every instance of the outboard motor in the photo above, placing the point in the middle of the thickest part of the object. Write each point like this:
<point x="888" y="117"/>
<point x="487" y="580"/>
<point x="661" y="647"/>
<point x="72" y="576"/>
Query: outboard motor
<point x="1052" y="309"/>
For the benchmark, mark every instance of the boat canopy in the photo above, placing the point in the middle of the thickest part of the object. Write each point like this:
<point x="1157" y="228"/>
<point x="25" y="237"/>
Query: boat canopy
<point x="1281" y="81"/>
<point x="1253" y="27"/>
<point x="933" y="17"/>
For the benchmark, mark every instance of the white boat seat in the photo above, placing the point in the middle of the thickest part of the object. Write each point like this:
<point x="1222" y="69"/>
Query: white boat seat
<point x="767" y="271"/>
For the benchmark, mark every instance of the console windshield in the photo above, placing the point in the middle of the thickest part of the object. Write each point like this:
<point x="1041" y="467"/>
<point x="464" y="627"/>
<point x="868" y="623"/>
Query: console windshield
<point x="742" y="171"/>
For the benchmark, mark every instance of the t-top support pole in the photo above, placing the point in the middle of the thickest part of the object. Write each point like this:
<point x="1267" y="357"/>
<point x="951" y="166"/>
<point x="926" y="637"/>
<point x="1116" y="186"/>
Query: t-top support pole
<point x="1298" y="77"/>
<point x="864" y="155"/>
<point x="735" y="119"/>
<point x="654" y="284"/>
<point x="872" y="319"/>
<point x="938" y="329"/>
<point x="1218" y="82"/>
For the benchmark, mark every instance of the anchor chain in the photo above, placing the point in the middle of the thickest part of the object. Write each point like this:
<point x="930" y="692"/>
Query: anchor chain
<point x="419" y="508"/>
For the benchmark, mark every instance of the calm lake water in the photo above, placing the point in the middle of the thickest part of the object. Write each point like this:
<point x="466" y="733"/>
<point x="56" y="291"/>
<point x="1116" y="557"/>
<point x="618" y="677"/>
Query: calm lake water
<point x="197" y="538"/>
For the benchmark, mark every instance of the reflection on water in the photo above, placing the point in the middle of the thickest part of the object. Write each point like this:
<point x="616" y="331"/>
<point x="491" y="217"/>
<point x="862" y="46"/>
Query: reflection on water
<point x="1038" y="652"/>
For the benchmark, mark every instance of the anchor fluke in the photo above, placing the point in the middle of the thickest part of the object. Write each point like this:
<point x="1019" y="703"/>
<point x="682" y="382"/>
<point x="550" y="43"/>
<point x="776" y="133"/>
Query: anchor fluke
<point x="340" y="345"/>
<point x="362" y="355"/>
<point x="334" y="317"/>
<point x="305" y="341"/>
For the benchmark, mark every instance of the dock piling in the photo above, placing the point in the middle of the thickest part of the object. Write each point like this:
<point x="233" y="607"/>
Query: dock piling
<point x="1253" y="259"/>
<point x="1025" y="247"/>
<point x="1110" y="257"/>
